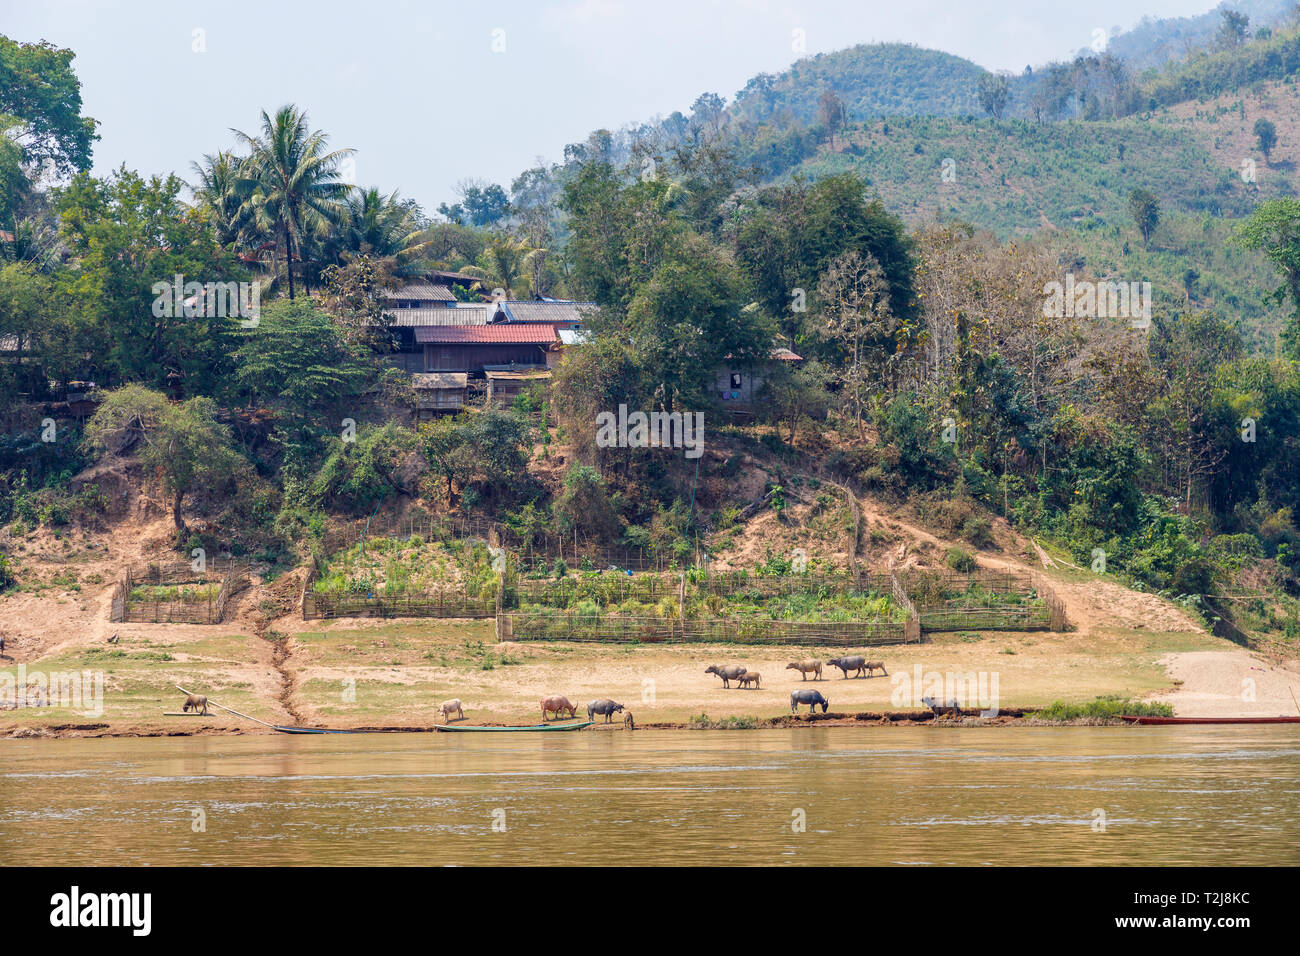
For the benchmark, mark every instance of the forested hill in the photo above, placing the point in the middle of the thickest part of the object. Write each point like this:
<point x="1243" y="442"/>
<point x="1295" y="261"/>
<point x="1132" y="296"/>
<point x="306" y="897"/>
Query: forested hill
<point x="879" y="79"/>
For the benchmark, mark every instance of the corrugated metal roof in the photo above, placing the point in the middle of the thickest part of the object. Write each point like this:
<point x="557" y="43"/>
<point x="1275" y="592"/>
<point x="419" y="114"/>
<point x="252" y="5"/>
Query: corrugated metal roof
<point x="463" y="314"/>
<point x="425" y="291"/>
<point x="503" y="333"/>
<point x="574" y="336"/>
<point x="526" y="310"/>
<point x="494" y="376"/>
<point x="439" y="380"/>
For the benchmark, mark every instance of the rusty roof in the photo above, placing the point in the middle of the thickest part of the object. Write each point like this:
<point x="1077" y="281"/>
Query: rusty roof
<point x="503" y="333"/>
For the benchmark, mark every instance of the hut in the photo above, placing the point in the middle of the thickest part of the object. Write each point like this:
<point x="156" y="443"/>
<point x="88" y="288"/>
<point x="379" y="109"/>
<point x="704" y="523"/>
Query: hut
<point x="438" y="393"/>
<point x="504" y="385"/>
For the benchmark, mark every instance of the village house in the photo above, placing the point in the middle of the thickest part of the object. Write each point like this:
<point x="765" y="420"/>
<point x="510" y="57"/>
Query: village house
<point x="455" y="348"/>
<point x="738" y="387"/>
<point x="435" y="332"/>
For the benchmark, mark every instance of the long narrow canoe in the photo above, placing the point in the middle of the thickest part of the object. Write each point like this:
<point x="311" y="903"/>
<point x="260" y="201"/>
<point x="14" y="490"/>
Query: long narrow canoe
<point x="1209" y="720"/>
<point x="315" y="730"/>
<point x="463" y="728"/>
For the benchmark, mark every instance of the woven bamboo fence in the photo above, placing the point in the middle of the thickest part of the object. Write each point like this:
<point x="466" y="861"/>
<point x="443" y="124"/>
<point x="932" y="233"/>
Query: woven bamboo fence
<point x="617" y="628"/>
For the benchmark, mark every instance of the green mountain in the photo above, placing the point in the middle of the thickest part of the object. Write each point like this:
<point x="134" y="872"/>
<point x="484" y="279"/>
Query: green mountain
<point x="879" y="79"/>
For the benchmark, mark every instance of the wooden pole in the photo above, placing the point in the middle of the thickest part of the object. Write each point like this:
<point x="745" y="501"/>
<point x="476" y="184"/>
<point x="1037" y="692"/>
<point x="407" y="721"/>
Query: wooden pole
<point x="225" y="708"/>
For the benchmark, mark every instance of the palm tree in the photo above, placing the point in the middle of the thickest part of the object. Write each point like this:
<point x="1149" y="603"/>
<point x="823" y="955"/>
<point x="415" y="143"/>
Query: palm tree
<point x="220" y="196"/>
<point x="504" y="262"/>
<point x="386" y="227"/>
<point x="291" y="179"/>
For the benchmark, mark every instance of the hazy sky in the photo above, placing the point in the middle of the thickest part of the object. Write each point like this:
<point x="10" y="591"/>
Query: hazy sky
<point x="419" y="91"/>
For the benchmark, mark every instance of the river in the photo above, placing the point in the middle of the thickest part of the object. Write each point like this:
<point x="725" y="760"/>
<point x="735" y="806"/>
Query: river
<point x="904" y="796"/>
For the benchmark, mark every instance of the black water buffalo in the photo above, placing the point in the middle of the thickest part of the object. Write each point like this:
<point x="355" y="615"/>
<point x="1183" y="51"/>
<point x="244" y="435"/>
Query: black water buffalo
<point x="938" y="707"/>
<point x="728" y="673"/>
<point x="810" y="697"/>
<point x="606" y="707"/>
<point x="856" y="664"/>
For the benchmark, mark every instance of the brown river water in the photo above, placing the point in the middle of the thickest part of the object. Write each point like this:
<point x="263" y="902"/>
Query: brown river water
<point x="832" y="796"/>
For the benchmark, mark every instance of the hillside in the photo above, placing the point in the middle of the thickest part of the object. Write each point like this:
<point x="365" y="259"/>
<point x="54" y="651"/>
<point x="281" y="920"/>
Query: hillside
<point x="879" y="79"/>
<point x="268" y="662"/>
<point x="1068" y="184"/>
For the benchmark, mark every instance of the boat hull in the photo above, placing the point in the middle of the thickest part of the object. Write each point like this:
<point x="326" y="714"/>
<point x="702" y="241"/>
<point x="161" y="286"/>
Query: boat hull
<point x="1160" y="721"/>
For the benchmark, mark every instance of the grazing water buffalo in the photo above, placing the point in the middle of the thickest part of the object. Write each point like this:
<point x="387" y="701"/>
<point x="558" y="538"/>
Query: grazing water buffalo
<point x="806" y="668"/>
<point x="606" y="707"/>
<point x="198" y="702"/>
<point x="728" y="673"/>
<point x="938" y="707"/>
<point x="449" y="707"/>
<point x="857" y="664"/>
<point x="628" y="722"/>
<point x="751" y="677"/>
<point x="810" y="697"/>
<point x="558" y="705"/>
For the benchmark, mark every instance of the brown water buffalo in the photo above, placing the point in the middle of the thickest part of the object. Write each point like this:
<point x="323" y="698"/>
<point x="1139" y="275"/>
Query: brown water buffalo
<point x="751" y="677"/>
<point x="197" y="702"/>
<point x="728" y="673"/>
<point x="806" y="667"/>
<point x="873" y="666"/>
<point x="606" y="707"/>
<point x="558" y="705"/>
<point x="449" y="707"/>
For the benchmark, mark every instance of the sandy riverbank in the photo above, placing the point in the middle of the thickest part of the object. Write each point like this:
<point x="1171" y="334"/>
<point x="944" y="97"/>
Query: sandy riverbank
<point x="392" y="674"/>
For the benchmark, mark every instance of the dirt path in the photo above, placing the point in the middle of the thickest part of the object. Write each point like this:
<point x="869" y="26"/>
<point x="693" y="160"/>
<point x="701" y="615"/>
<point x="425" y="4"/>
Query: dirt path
<point x="1088" y="604"/>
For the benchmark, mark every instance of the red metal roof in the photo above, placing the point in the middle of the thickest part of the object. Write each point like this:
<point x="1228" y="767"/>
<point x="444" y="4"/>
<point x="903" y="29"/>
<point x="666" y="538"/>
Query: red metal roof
<point x="504" y="333"/>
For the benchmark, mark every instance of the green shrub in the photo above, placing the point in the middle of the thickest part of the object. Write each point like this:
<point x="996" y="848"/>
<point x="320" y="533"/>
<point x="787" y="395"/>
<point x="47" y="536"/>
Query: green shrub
<point x="959" y="559"/>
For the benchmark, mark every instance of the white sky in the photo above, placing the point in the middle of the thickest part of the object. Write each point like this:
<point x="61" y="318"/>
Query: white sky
<point x="417" y="89"/>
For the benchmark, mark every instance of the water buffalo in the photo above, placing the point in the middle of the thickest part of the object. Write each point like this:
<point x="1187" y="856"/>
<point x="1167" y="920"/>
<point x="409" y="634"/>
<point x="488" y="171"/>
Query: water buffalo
<point x="558" y="705"/>
<point x="856" y="664"/>
<point x="449" y="707"/>
<point x="806" y="667"/>
<point x="628" y="722"/>
<point x="606" y="707"/>
<point x="938" y="707"/>
<point x="810" y="697"/>
<point x="751" y="677"/>
<point x="197" y="702"/>
<point x="728" y="673"/>
<point x="873" y="666"/>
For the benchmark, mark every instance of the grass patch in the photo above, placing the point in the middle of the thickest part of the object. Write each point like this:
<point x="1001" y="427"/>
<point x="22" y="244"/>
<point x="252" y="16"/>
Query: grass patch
<point x="705" y="722"/>
<point x="1103" y="708"/>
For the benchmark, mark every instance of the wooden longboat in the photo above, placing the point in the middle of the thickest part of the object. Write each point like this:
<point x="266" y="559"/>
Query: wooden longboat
<point x="464" y="728"/>
<point x="1178" y="721"/>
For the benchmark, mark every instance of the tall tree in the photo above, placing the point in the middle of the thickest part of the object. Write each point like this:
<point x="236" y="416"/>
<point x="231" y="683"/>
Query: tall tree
<point x="42" y="95"/>
<point x="994" y="91"/>
<point x="1145" y="210"/>
<point x="1266" y="136"/>
<point x="184" y="443"/>
<point x="290" y="176"/>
